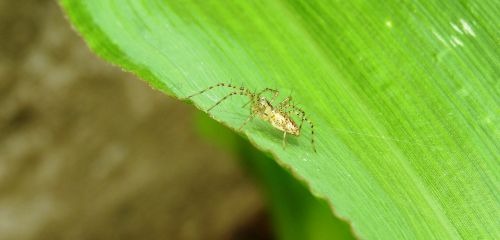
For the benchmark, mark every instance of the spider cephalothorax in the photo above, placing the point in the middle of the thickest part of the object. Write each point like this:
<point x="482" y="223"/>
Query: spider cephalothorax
<point x="278" y="116"/>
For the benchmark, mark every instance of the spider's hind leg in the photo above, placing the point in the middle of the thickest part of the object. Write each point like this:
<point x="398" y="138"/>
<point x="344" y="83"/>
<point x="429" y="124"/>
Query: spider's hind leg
<point x="299" y="112"/>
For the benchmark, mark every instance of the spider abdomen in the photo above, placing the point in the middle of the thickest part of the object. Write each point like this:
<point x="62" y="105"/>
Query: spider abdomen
<point x="284" y="123"/>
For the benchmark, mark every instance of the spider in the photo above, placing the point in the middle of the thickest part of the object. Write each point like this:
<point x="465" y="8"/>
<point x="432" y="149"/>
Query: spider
<point x="278" y="116"/>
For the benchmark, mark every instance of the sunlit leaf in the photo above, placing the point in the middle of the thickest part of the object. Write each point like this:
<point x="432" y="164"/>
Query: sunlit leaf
<point x="403" y="95"/>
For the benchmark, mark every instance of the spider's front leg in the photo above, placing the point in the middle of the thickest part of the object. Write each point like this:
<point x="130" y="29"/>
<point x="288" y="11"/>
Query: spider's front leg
<point x="285" y="103"/>
<point x="257" y="95"/>
<point x="226" y="97"/>
<point x="246" y="121"/>
<point x="273" y="91"/>
<point x="242" y="89"/>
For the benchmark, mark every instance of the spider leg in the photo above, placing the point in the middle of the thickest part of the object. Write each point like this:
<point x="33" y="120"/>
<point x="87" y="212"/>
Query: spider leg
<point x="227" y="96"/>
<point x="299" y="112"/>
<point x="273" y="91"/>
<point x="285" y="103"/>
<point x="246" y="121"/>
<point x="243" y="89"/>
<point x="246" y="104"/>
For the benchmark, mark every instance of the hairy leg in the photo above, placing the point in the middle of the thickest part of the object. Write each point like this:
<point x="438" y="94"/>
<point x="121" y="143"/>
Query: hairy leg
<point x="273" y="91"/>
<point x="242" y="89"/>
<point x="226" y="97"/>
<point x="289" y="108"/>
<point x="246" y="121"/>
<point x="257" y="95"/>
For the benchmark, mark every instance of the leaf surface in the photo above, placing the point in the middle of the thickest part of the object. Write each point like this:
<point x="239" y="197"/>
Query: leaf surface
<point x="403" y="95"/>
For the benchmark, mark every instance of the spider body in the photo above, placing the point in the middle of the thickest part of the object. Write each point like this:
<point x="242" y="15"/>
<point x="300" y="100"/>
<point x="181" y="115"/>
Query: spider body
<point x="280" y="120"/>
<point x="278" y="116"/>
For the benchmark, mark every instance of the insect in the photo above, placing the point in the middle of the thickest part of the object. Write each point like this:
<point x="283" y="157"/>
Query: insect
<point x="278" y="116"/>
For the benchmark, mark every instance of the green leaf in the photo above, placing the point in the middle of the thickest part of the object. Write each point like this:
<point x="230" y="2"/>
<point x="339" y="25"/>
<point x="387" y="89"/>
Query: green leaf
<point x="403" y="95"/>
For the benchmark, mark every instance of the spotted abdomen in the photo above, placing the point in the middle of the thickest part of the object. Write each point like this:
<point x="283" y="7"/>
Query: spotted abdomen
<point x="284" y="123"/>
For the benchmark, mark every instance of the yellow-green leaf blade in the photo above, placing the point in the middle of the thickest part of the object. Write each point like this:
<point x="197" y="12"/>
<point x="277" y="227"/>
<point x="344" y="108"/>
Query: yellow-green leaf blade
<point x="403" y="95"/>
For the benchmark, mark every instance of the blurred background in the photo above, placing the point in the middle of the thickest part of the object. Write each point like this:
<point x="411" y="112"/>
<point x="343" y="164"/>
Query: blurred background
<point x="88" y="151"/>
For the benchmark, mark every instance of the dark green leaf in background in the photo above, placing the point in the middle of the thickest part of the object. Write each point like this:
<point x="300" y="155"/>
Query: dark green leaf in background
<point x="295" y="213"/>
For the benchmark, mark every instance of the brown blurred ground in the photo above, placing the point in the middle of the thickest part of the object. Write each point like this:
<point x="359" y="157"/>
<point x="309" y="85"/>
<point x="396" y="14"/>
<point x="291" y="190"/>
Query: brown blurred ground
<point x="90" y="152"/>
